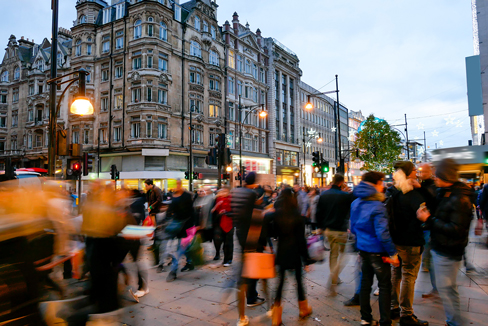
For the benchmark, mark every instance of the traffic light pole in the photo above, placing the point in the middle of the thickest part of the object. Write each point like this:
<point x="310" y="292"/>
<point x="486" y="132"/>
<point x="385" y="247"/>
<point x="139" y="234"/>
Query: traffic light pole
<point x="79" y="193"/>
<point x="190" y="170"/>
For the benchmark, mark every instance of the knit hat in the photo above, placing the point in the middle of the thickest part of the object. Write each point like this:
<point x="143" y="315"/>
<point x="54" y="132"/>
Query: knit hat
<point x="250" y="178"/>
<point x="447" y="170"/>
<point x="406" y="166"/>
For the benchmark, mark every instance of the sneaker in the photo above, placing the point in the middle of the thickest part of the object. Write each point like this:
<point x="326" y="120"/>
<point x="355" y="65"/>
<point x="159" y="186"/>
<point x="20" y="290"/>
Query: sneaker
<point x="227" y="263"/>
<point x="243" y="322"/>
<point x="369" y="323"/>
<point x="376" y="292"/>
<point x="141" y="293"/>
<point x="431" y="294"/>
<point x="188" y="267"/>
<point x="160" y="269"/>
<point x="395" y="313"/>
<point x="412" y="320"/>
<point x="217" y="257"/>
<point x="257" y="302"/>
<point x="354" y="301"/>
<point x="171" y="277"/>
<point x="134" y="296"/>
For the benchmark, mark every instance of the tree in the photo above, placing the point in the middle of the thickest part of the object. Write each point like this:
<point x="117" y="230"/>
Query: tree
<point x="379" y="145"/>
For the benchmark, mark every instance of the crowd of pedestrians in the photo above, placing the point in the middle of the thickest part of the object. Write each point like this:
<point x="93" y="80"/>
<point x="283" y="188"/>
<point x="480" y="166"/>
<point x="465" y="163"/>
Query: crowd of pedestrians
<point x="420" y="221"/>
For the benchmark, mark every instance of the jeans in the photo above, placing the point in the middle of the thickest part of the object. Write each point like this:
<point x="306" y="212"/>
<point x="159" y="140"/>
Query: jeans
<point x="357" y="288"/>
<point x="227" y="239"/>
<point x="180" y="251"/>
<point x="132" y="247"/>
<point x="337" y="241"/>
<point x="372" y="264"/>
<point x="427" y="260"/>
<point x="300" y="289"/>
<point x="406" y="274"/>
<point x="446" y="270"/>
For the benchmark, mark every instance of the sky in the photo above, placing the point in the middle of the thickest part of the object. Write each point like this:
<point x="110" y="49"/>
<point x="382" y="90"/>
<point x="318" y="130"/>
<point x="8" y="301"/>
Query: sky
<point x="392" y="57"/>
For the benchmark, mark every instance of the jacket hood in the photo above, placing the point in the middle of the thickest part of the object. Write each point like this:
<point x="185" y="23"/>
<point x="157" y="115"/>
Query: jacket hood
<point x="462" y="188"/>
<point x="364" y="190"/>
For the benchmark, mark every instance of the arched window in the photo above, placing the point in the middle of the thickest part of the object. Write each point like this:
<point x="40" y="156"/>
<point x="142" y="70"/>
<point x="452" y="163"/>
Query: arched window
<point x="248" y="66"/>
<point x="4" y="77"/>
<point x="195" y="49"/>
<point x="213" y="58"/>
<point x="163" y="31"/>
<point x="17" y="73"/>
<point x="137" y="29"/>
<point x="78" y="48"/>
<point x="82" y="19"/>
<point x="150" y="27"/>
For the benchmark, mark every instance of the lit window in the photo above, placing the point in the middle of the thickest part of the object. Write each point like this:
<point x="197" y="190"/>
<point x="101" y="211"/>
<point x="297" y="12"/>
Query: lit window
<point x="213" y="111"/>
<point x="232" y="59"/>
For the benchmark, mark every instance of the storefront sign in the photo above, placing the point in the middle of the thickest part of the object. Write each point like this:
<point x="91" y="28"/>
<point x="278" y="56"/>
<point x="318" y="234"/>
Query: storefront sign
<point x="287" y="170"/>
<point x="462" y="155"/>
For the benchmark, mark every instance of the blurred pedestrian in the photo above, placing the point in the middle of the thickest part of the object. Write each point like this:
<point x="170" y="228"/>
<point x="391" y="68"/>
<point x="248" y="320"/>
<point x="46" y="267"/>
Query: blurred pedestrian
<point x="302" y="199"/>
<point x="333" y="210"/>
<point x="407" y="235"/>
<point x="137" y="205"/>
<point x="286" y="224"/>
<point x="369" y="223"/>
<point x="243" y="202"/>
<point x="449" y="227"/>
<point x="182" y="216"/>
<point x="154" y="199"/>
<point x="223" y="227"/>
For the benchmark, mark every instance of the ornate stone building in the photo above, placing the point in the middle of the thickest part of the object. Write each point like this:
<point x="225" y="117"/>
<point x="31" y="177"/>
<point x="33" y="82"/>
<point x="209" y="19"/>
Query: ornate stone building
<point x="24" y="99"/>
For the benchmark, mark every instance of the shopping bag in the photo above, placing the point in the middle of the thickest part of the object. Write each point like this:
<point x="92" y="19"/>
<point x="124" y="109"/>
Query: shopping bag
<point x="316" y="248"/>
<point x="257" y="265"/>
<point x="194" y="252"/>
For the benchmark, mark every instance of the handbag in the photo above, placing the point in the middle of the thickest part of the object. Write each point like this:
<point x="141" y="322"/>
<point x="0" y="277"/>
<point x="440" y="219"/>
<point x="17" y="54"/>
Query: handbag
<point x="257" y="265"/>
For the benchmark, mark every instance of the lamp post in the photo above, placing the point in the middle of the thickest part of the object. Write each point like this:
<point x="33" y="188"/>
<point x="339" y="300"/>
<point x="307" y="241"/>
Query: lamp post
<point x="312" y="134"/>
<point x="262" y="114"/>
<point x="309" y="106"/>
<point x="80" y="106"/>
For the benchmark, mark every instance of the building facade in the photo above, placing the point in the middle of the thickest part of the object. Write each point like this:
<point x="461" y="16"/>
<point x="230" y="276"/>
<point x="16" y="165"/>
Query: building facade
<point x="354" y="169"/>
<point x="316" y="133"/>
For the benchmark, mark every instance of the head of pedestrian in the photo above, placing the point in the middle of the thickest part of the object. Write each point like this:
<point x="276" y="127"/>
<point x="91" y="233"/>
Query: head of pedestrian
<point x="338" y="180"/>
<point x="250" y="178"/>
<point x="148" y="184"/>
<point x="403" y="176"/>
<point x="376" y="179"/>
<point x="179" y="186"/>
<point x="425" y="171"/>
<point x="296" y="187"/>
<point x="446" y="173"/>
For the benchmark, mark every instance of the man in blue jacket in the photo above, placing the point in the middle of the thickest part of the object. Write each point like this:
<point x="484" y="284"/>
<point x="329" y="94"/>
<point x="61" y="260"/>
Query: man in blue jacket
<point x="369" y="222"/>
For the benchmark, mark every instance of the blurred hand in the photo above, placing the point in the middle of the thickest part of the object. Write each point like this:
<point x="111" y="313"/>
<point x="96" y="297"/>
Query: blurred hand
<point x="395" y="261"/>
<point x="414" y="183"/>
<point x="423" y="214"/>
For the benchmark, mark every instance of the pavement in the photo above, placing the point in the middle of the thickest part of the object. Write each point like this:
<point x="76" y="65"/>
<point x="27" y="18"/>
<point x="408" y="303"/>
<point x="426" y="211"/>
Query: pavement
<point x="197" y="297"/>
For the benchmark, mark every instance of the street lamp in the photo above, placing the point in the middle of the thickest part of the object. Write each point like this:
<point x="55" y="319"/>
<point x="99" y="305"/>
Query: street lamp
<point x="80" y="106"/>
<point x="309" y="106"/>
<point x="262" y="114"/>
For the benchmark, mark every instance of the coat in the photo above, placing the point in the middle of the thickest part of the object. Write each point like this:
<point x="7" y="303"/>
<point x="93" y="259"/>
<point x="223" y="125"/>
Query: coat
<point x="449" y="226"/>
<point x="333" y="209"/>
<point x="154" y="199"/>
<point x="181" y="209"/>
<point x="369" y="221"/>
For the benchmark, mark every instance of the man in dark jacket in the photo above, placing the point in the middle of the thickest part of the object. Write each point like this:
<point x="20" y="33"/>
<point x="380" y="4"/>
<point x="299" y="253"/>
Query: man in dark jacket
<point x="449" y="227"/>
<point x="243" y="202"/>
<point x="154" y="199"/>
<point x="407" y="235"/>
<point x="333" y="217"/>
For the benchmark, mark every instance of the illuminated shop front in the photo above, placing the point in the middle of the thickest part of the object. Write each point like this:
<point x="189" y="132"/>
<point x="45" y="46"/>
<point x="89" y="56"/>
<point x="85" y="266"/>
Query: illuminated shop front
<point x="262" y="167"/>
<point x="287" y="170"/>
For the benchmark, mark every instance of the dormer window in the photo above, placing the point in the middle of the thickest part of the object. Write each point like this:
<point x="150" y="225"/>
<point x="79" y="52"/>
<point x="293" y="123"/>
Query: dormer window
<point x="40" y="65"/>
<point x="197" y="23"/>
<point x="82" y="19"/>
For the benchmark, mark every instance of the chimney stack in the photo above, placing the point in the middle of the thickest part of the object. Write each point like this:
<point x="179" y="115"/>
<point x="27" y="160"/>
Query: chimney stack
<point x="235" y="22"/>
<point x="258" y="34"/>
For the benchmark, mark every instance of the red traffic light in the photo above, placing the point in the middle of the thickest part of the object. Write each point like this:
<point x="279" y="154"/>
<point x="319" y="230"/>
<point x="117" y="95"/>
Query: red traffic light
<point x="76" y="166"/>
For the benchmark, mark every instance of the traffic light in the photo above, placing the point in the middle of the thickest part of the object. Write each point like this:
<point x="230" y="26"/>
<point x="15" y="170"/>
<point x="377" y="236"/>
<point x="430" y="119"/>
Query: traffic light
<point x="227" y="157"/>
<point x="76" y="168"/>
<point x="211" y="158"/>
<point x="238" y="176"/>
<point x="113" y="172"/>
<point x="187" y="175"/>
<point x="324" y="167"/>
<point x="225" y="176"/>
<point x="117" y="175"/>
<point x="87" y="163"/>
<point x="316" y="158"/>
<point x="195" y="175"/>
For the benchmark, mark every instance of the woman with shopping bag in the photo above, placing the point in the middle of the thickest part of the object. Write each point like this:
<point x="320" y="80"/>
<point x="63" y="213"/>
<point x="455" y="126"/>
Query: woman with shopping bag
<point x="286" y="224"/>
